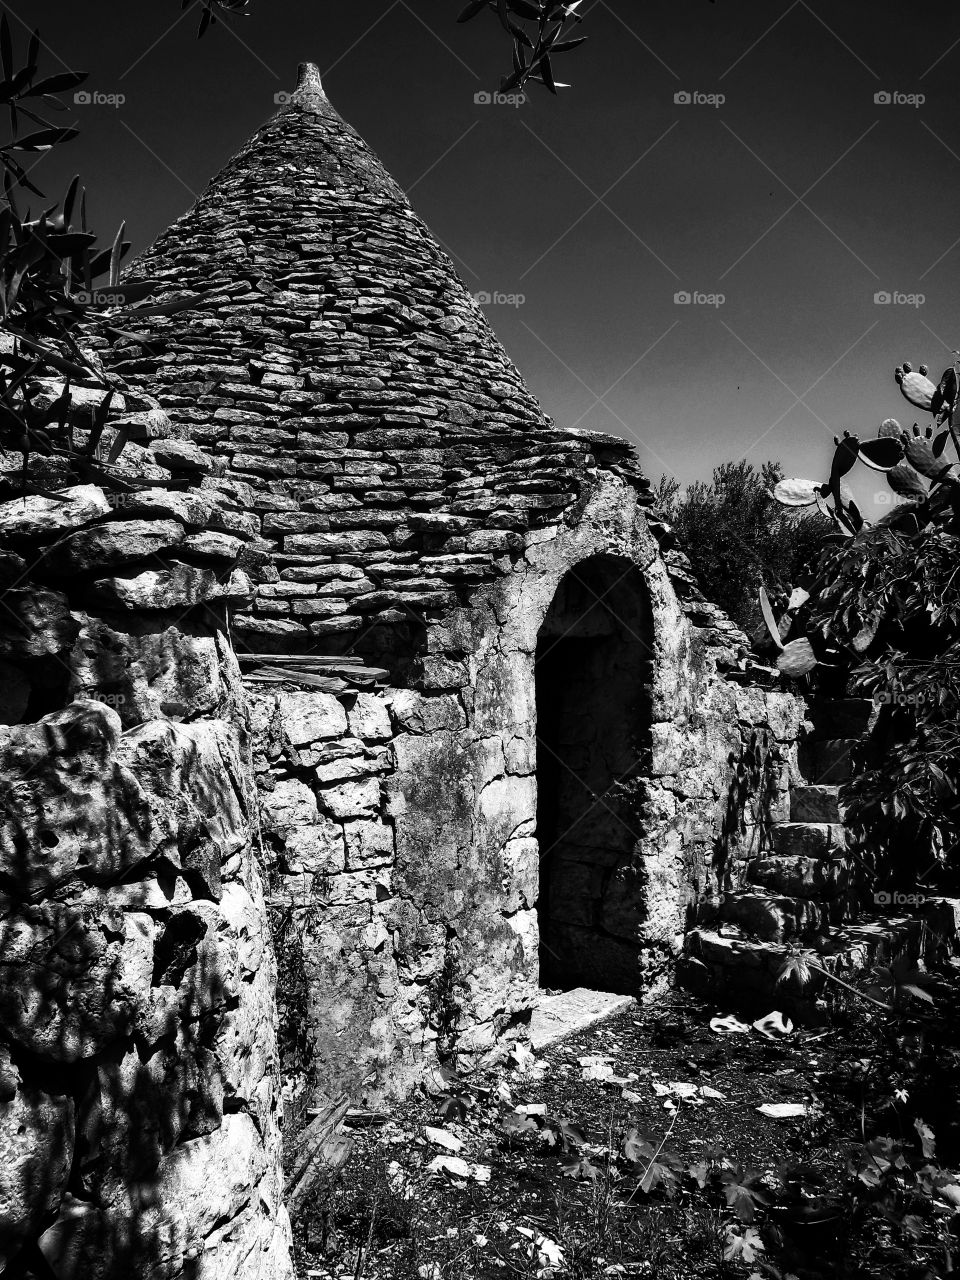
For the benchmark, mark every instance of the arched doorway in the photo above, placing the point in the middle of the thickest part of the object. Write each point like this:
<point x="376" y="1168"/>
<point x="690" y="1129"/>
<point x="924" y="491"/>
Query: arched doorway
<point x="593" y="676"/>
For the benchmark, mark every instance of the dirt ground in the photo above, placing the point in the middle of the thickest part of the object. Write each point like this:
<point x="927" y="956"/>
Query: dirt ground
<point x="638" y="1148"/>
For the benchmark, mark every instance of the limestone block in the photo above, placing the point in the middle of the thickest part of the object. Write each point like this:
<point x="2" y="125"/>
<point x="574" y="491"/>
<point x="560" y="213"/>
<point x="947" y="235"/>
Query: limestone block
<point x="488" y="761"/>
<point x="33" y="516"/>
<point x="179" y="586"/>
<point x="317" y="848"/>
<point x="35" y="622"/>
<point x="417" y="713"/>
<point x="353" y="887"/>
<point x="211" y="545"/>
<point x="443" y="673"/>
<point x="670" y="749"/>
<point x="180" y="455"/>
<point x="308" y="717"/>
<point x="149" y="672"/>
<point x="369" y="844"/>
<point x="193" y="510"/>
<point x="245" y="1057"/>
<point x="192" y="774"/>
<point x="350" y="799"/>
<point x="118" y="542"/>
<point x="290" y="804"/>
<point x="344" y="767"/>
<point x="149" y="424"/>
<point x="369" y="718"/>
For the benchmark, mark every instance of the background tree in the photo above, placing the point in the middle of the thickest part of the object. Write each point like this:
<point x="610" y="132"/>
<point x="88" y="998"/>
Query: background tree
<point x="738" y="538"/>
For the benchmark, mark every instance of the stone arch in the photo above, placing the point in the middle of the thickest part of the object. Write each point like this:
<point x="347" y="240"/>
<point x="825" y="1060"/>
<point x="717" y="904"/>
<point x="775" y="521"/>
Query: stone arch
<point x="593" y="670"/>
<point x="609" y="529"/>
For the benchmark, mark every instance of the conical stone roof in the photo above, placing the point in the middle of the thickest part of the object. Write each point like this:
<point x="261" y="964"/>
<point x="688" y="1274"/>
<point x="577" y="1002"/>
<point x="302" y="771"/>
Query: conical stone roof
<point x="359" y="405"/>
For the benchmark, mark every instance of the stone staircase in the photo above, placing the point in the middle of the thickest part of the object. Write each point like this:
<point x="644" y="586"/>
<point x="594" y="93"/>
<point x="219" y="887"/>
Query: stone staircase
<point x="800" y="888"/>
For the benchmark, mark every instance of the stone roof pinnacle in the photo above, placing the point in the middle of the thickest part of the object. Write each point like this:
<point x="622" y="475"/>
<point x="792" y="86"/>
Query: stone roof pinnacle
<point x="308" y="80"/>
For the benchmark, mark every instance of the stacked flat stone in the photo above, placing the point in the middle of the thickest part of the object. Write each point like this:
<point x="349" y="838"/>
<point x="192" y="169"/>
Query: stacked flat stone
<point x="364" y="409"/>
<point x="138" y="1111"/>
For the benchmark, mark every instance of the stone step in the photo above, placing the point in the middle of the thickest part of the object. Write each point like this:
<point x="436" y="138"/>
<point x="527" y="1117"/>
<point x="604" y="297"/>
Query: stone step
<point x="843" y="718"/>
<point x="808" y="839"/>
<point x="731" y="964"/>
<point x="828" y="761"/>
<point x="772" y="917"/>
<point x="568" y="1012"/>
<point x="815" y="804"/>
<point x="800" y="877"/>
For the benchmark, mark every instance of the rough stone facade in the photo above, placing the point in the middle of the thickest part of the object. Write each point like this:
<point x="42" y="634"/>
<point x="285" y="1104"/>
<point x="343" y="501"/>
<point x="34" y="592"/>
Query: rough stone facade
<point x="402" y="827"/>
<point x="139" y="1110"/>
<point x="521" y="767"/>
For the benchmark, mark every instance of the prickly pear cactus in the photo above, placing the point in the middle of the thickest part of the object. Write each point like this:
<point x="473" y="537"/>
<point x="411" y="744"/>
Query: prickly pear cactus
<point x="916" y="468"/>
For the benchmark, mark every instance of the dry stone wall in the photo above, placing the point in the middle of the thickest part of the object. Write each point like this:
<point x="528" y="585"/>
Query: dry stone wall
<point x="138" y="1079"/>
<point x="401" y="825"/>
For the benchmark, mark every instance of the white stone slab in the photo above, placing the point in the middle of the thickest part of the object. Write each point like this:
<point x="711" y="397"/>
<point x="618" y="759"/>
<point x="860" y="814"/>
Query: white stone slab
<point x="555" y="1017"/>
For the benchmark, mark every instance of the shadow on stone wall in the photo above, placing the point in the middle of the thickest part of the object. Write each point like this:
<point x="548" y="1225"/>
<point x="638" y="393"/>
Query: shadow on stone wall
<point x="133" y="1110"/>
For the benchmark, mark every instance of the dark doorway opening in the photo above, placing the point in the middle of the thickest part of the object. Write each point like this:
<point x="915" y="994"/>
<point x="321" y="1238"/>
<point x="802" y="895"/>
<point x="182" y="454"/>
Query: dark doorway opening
<point x="593" y="670"/>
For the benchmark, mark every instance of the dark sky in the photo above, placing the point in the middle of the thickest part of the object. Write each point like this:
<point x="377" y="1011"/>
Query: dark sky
<point x="798" y="198"/>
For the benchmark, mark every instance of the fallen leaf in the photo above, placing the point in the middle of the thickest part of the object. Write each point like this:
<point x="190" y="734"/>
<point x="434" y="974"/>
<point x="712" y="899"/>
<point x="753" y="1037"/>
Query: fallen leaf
<point x="773" y="1024"/>
<point x="728" y="1025"/>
